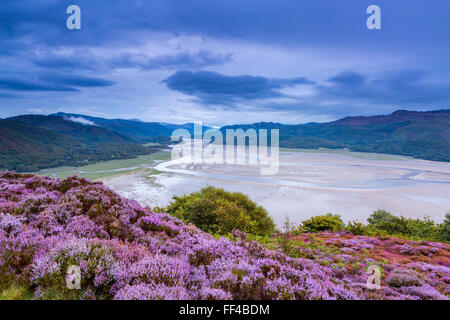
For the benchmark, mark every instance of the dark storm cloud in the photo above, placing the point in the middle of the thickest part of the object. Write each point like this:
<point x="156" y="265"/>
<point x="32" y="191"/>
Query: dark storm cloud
<point x="23" y="85"/>
<point x="35" y="42"/>
<point x="346" y="89"/>
<point x="348" y="78"/>
<point x="75" y="62"/>
<point x="77" y="81"/>
<point x="400" y="87"/>
<point x="84" y="61"/>
<point x="284" y="22"/>
<point x="52" y="82"/>
<point x="215" y="88"/>
<point x="183" y="60"/>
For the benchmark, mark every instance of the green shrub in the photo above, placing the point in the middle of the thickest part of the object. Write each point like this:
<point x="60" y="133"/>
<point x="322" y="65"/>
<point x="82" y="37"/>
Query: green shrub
<point x="422" y="228"/>
<point x="220" y="212"/>
<point x="445" y="229"/>
<point x="284" y="241"/>
<point x="297" y="230"/>
<point x="386" y="221"/>
<point x="357" y="228"/>
<point x="327" y="222"/>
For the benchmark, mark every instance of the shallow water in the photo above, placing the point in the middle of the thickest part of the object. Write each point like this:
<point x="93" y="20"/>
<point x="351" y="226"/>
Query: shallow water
<point x="382" y="183"/>
<point x="308" y="184"/>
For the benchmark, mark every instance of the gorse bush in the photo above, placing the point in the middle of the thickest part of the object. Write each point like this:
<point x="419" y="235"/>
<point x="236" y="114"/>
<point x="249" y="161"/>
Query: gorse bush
<point x="357" y="228"/>
<point x="383" y="222"/>
<point x="422" y="228"/>
<point x="386" y="221"/>
<point x="220" y="212"/>
<point x="445" y="229"/>
<point x="328" y="222"/>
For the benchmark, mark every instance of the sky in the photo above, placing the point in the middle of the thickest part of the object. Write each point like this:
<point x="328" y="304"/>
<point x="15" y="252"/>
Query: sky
<point x="224" y="61"/>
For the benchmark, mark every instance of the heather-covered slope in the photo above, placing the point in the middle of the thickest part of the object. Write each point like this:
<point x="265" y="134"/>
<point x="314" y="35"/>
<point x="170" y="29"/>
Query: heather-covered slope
<point x="127" y="252"/>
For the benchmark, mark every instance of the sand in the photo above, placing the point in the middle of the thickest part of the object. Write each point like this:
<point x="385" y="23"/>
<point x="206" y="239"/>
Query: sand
<point x="308" y="184"/>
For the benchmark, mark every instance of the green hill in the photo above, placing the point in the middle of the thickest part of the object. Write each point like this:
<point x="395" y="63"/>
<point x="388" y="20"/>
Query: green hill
<point x="137" y="130"/>
<point x="33" y="142"/>
<point x="424" y="135"/>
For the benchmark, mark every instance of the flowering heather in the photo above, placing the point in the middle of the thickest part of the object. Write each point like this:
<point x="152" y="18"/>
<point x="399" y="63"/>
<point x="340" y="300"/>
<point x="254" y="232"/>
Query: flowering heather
<point x="125" y="251"/>
<point x="410" y="269"/>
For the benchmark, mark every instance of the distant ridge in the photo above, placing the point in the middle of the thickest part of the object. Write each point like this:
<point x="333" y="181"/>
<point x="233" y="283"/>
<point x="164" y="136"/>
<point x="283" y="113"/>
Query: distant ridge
<point x="420" y="134"/>
<point x="33" y="142"/>
<point x="399" y="115"/>
<point x="138" y="130"/>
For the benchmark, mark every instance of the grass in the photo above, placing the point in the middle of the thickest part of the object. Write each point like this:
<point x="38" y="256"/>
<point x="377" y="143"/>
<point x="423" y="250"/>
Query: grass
<point x="16" y="292"/>
<point x="152" y="144"/>
<point x="102" y="170"/>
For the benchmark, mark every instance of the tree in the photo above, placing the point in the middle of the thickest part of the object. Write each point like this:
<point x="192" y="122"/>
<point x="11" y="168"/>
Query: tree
<point x="220" y="212"/>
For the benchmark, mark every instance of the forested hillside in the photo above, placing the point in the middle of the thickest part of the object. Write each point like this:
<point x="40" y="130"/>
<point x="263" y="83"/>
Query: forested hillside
<point x="29" y="143"/>
<point x="424" y="135"/>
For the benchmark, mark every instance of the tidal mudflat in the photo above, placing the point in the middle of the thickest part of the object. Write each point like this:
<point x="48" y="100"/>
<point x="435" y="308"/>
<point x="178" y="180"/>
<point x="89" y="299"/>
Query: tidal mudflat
<point x="308" y="183"/>
<point x="105" y="169"/>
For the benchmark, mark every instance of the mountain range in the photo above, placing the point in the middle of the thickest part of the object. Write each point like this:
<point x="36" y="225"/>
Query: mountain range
<point x="424" y="135"/>
<point x="137" y="130"/>
<point x="33" y="142"/>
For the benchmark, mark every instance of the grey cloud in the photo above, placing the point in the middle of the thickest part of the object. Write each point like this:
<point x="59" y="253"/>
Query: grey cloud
<point x="181" y="60"/>
<point x="215" y="88"/>
<point x="23" y="85"/>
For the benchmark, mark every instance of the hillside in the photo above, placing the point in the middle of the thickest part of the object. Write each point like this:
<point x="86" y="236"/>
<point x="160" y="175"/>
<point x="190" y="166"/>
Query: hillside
<point x="125" y="251"/>
<point x="32" y="142"/>
<point x="424" y="135"/>
<point x="139" y="131"/>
